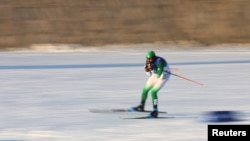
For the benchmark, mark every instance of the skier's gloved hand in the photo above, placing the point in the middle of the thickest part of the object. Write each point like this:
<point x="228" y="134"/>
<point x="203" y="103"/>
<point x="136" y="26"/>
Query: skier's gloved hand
<point x="147" y="68"/>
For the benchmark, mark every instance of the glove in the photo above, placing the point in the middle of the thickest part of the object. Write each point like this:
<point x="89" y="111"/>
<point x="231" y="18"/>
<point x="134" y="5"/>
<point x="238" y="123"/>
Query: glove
<point x="147" y="68"/>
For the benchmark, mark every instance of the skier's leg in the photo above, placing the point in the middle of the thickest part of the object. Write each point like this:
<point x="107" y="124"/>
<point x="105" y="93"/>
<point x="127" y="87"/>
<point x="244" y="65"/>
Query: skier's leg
<point x="144" y="95"/>
<point x="148" y="86"/>
<point x="160" y="83"/>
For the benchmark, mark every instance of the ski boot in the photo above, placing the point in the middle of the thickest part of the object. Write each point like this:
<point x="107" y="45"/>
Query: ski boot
<point x="139" y="108"/>
<point x="153" y="114"/>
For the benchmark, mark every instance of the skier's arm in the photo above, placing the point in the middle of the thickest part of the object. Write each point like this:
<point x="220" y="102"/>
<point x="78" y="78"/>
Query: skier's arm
<point x="160" y="69"/>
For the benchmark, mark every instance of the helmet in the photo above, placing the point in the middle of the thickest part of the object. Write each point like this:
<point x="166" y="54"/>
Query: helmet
<point x="150" y="54"/>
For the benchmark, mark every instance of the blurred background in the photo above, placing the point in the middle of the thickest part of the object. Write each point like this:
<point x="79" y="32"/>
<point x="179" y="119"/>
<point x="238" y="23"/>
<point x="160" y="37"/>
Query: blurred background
<point x="47" y="96"/>
<point x="105" y="22"/>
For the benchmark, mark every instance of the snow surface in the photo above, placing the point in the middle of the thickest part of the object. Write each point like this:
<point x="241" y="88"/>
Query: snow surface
<point x="45" y="95"/>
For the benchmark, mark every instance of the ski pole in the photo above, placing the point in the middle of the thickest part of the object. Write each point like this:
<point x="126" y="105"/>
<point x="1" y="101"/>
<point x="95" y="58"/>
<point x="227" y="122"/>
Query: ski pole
<point x="175" y="69"/>
<point x="187" y="79"/>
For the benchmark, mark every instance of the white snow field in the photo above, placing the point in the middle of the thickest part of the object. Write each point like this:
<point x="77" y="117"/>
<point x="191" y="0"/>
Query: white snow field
<point x="45" y="95"/>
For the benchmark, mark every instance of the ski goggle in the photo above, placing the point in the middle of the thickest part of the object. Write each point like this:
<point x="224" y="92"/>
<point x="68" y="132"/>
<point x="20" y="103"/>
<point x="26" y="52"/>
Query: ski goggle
<point x="149" y="59"/>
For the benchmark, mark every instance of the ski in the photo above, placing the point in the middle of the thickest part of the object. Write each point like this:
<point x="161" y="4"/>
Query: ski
<point x="120" y="110"/>
<point x="146" y="117"/>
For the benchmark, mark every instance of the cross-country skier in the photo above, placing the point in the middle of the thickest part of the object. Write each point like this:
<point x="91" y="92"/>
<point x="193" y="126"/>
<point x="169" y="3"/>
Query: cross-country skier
<point x="158" y="71"/>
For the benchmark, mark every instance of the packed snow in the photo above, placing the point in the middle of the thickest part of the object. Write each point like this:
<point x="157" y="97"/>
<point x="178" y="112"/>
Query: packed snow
<point x="46" y="94"/>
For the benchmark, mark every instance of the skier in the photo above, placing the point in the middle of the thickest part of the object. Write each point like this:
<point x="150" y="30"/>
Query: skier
<point x="159" y="72"/>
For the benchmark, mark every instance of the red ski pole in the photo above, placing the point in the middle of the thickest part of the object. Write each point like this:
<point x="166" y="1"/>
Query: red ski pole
<point x="187" y="79"/>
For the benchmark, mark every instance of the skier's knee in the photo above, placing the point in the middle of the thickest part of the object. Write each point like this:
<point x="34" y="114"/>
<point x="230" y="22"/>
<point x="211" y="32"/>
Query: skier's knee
<point x="154" y="93"/>
<point x="146" y="89"/>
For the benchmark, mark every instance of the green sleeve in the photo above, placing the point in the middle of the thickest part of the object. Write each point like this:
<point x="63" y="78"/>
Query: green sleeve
<point x="160" y="68"/>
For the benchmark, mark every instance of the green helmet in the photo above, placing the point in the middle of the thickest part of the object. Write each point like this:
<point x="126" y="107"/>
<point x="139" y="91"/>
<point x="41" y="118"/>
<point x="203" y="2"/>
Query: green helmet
<point x="150" y="54"/>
